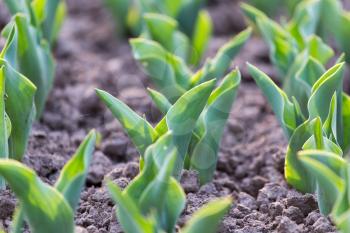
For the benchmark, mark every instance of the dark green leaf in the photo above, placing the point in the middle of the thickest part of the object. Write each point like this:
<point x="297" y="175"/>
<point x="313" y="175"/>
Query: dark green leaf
<point x="73" y="174"/>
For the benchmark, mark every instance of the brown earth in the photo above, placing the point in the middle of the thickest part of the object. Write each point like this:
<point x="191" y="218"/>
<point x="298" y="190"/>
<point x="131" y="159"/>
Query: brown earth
<point x="251" y="162"/>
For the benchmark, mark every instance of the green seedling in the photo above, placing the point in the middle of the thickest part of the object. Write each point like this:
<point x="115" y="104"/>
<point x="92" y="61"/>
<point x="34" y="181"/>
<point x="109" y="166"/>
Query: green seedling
<point x="43" y="207"/>
<point x="169" y="72"/>
<point x="328" y="118"/>
<point x="31" y="56"/>
<point x="45" y="15"/>
<point x="154" y="200"/>
<point x="165" y="30"/>
<point x="183" y="22"/>
<point x="197" y="120"/>
<point x="129" y="14"/>
<point x="333" y="25"/>
<point x="318" y="90"/>
<point x="180" y="119"/>
<point x="288" y="42"/>
<point x="17" y="110"/>
<point x="205" y="142"/>
<point x="331" y="173"/>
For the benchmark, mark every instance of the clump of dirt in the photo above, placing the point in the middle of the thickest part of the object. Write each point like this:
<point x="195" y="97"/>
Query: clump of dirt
<point x="251" y="162"/>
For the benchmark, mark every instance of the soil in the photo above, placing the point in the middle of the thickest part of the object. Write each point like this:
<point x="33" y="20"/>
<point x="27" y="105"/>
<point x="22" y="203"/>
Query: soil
<point x="251" y="163"/>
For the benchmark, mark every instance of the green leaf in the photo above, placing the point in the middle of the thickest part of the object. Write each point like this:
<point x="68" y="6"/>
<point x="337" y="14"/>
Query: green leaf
<point x="330" y="125"/>
<point x="45" y="208"/>
<point x="170" y="7"/>
<point x="182" y="117"/>
<point x="341" y="210"/>
<point x="32" y="58"/>
<point x="304" y="72"/>
<point x="217" y="67"/>
<point x="161" y="29"/>
<point x="175" y="204"/>
<point x="119" y="10"/>
<point x="8" y="126"/>
<point x="285" y="110"/>
<point x="53" y="20"/>
<point x="225" y="55"/>
<point x="169" y="73"/>
<point x="4" y="132"/>
<point x="159" y="100"/>
<point x="342" y="32"/>
<point x="139" y="130"/>
<point x="319" y="50"/>
<point x="18" y="220"/>
<point x="322" y="92"/>
<point x="201" y="37"/>
<point x="153" y="161"/>
<point x="159" y="192"/>
<point x="18" y="6"/>
<point x="283" y="47"/>
<point x="73" y="175"/>
<point x="188" y="16"/>
<point x="208" y="217"/>
<point x="346" y="122"/>
<point x="343" y="222"/>
<point x="61" y="13"/>
<point x="327" y="168"/>
<point x="251" y="13"/>
<point x="129" y="215"/>
<point x="38" y="7"/>
<point x="153" y="197"/>
<point x="153" y="191"/>
<point x="4" y="125"/>
<point x="20" y="109"/>
<point x="295" y="172"/>
<point x="305" y="20"/>
<point x="45" y="15"/>
<point x="213" y="119"/>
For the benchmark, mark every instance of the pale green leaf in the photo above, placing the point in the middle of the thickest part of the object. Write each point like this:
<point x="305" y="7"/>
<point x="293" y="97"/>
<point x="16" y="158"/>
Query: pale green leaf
<point x="284" y="109"/>
<point x="322" y="92"/>
<point x="73" y="175"/>
<point x="161" y="28"/>
<point x="33" y="59"/>
<point x="119" y="10"/>
<point x="201" y="37"/>
<point x="205" y="153"/>
<point x="159" y="100"/>
<point x="295" y="172"/>
<point x="45" y="209"/>
<point x="326" y="168"/>
<point x="129" y="215"/>
<point x="346" y="122"/>
<point x="226" y="54"/>
<point x="319" y="49"/>
<point x="19" y="106"/>
<point x="169" y="73"/>
<point x="182" y="117"/>
<point x="139" y="130"/>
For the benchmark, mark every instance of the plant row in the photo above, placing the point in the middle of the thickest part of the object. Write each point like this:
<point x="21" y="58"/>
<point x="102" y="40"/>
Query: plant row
<point x="27" y="70"/>
<point x="195" y="98"/>
<point x="311" y="107"/>
<point x="195" y="101"/>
